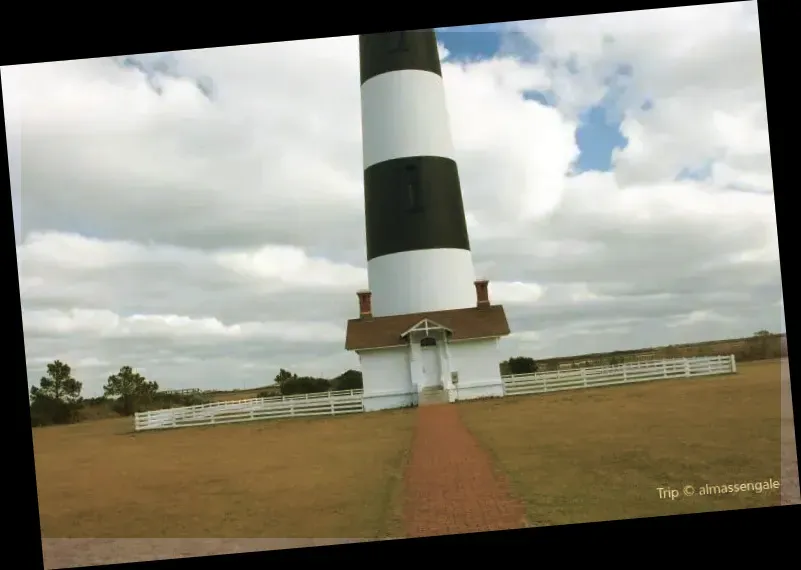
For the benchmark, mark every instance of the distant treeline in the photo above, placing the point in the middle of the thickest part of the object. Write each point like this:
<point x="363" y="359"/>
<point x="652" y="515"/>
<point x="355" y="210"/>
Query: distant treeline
<point x="762" y="345"/>
<point x="288" y="384"/>
<point x="519" y="365"/>
<point x="58" y="400"/>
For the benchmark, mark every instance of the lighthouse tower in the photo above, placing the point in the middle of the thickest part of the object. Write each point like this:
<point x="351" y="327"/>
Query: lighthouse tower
<point x="418" y="252"/>
<point x="426" y="324"/>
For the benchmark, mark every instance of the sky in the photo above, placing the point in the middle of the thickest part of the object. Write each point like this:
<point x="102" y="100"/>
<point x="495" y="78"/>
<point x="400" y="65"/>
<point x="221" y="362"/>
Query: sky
<point x="198" y="215"/>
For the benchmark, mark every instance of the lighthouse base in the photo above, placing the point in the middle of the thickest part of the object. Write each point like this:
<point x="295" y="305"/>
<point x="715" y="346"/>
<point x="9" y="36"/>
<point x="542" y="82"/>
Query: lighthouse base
<point x="389" y="401"/>
<point x="454" y="353"/>
<point x="400" y="377"/>
<point x="386" y="380"/>
<point x="476" y="364"/>
<point x="477" y="392"/>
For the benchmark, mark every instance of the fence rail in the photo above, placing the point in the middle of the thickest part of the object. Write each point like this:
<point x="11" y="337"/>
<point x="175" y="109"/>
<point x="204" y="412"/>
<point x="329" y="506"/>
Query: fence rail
<point x="302" y="405"/>
<point x="629" y="373"/>
<point x="351" y="401"/>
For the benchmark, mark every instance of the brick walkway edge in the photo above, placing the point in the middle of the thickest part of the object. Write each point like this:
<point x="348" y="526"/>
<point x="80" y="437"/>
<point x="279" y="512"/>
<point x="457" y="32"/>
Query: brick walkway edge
<point x="450" y="484"/>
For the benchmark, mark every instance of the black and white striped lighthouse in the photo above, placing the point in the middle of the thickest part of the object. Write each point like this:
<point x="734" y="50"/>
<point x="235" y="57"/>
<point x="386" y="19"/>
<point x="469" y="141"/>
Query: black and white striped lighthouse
<point x="418" y="251"/>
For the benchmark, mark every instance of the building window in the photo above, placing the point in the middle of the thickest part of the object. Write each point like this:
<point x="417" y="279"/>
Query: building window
<point x="413" y="189"/>
<point x="428" y="341"/>
<point x="398" y="42"/>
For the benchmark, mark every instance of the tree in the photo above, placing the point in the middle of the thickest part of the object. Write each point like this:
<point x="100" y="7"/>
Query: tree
<point x="58" y="384"/>
<point x="283" y="376"/>
<point x="348" y="380"/>
<point x="304" y="385"/>
<point x="521" y="365"/>
<point x="764" y="348"/>
<point x="131" y="388"/>
<point x="57" y="398"/>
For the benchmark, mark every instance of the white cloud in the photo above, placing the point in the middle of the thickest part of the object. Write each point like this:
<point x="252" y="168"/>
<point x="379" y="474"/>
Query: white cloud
<point x="206" y="224"/>
<point x="99" y="324"/>
<point x="696" y="317"/>
<point x="291" y="267"/>
<point x="515" y="293"/>
<point x="699" y="66"/>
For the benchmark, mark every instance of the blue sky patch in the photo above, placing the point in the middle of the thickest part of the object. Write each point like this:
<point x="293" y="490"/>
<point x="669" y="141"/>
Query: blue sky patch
<point x="470" y="45"/>
<point x="598" y="133"/>
<point x="701" y="172"/>
<point x="597" y="137"/>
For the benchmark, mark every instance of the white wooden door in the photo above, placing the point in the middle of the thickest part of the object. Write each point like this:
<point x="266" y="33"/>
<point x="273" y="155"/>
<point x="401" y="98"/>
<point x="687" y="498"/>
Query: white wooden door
<point x="431" y="365"/>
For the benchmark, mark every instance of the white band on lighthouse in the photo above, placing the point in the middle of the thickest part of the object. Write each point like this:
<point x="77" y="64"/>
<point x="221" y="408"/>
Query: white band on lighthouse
<point x="404" y="114"/>
<point x="418" y="250"/>
<point x="422" y="280"/>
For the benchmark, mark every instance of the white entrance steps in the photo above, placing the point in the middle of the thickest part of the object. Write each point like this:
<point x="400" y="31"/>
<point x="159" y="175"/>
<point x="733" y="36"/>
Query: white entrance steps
<point x="432" y="395"/>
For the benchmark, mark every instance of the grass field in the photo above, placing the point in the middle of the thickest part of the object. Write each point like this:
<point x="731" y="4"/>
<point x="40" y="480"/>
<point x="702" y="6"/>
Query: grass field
<point x="332" y="477"/>
<point x="573" y="456"/>
<point x="601" y="454"/>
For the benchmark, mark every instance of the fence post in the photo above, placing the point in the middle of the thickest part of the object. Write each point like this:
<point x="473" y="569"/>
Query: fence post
<point x="733" y="364"/>
<point x="625" y="378"/>
<point x="686" y="368"/>
<point x="545" y="383"/>
<point x="331" y="401"/>
<point x="664" y="368"/>
<point x="584" y="377"/>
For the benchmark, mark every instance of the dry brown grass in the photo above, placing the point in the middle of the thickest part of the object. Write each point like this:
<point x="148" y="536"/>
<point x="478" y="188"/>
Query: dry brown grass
<point x="572" y="456"/>
<point x="600" y="454"/>
<point x="328" y="478"/>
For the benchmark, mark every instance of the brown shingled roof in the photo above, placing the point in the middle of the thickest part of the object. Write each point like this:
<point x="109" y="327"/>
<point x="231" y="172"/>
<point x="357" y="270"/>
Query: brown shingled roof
<point x="381" y="332"/>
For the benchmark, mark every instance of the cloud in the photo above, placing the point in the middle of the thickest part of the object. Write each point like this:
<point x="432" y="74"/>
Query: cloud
<point x="99" y="324"/>
<point x="699" y="68"/>
<point x="198" y="215"/>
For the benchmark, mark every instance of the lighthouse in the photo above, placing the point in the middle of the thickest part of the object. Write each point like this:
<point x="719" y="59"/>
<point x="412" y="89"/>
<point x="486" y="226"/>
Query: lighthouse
<point x="427" y="331"/>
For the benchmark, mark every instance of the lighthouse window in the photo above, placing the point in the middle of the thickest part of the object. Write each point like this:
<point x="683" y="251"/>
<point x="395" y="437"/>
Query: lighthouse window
<point x="398" y="42"/>
<point x="428" y="341"/>
<point x="413" y="190"/>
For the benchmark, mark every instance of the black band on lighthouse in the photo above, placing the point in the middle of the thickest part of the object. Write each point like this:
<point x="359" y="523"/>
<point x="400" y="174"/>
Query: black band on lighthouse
<point x="395" y="51"/>
<point x="414" y="203"/>
<point x="418" y="251"/>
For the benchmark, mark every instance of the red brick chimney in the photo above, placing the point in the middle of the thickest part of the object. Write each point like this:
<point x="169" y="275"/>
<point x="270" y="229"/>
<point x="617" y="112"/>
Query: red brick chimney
<point x="365" y="304"/>
<point x="482" y="293"/>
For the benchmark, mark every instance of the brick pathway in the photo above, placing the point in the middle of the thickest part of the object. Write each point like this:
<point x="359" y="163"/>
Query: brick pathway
<point x="450" y="484"/>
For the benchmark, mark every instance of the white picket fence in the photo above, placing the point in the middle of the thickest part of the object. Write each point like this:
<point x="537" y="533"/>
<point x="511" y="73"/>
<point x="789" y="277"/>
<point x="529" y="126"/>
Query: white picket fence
<point x="351" y="401"/>
<point x="520" y="384"/>
<point x="319" y="404"/>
